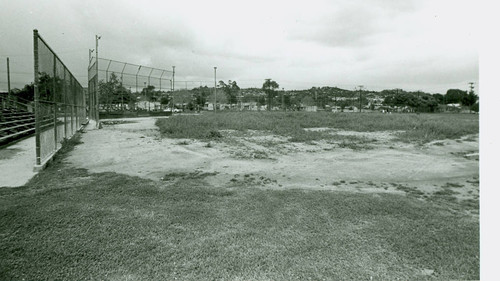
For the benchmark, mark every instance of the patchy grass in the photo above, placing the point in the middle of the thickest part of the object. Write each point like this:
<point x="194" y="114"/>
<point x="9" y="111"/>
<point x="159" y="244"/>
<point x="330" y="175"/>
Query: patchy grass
<point x="182" y="175"/>
<point x="421" y="127"/>
<point x="116" y="122"/>
<point x="69" y="224"/>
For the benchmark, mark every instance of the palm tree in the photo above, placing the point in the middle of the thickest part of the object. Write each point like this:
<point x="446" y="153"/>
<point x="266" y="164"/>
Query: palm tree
<point x="269" y="88"/>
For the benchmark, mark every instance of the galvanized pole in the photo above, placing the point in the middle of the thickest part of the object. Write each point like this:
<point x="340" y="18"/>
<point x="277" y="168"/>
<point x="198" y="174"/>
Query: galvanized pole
<point x="107" y="94"/>
<point x="136" y="82"/>
<point x="54" y="100"/>
<point x="149" y="76"/>
<point x="37" y="99"/>
<point x="90" y="55"/>
<point x="65" y="94"/>
<point x="107" y="68"/>
<point x="121" y="82"/>
<point x="8" y="80"/>
<point x="163" y="72"/>
<point x="97" y="78"/>
<point x="215" y="89"/>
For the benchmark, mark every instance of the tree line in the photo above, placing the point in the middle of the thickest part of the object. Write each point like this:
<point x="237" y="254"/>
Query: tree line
<point x="112" y="93"/>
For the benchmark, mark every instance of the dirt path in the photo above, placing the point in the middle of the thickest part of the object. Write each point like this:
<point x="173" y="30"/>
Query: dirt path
<point x="137" y="149"/>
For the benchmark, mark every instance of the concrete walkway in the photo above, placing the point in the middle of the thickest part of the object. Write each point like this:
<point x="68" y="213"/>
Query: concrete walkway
<point x="17" y="162"/>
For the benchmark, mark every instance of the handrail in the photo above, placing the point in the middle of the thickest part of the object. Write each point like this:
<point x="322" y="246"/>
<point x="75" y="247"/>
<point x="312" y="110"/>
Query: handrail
<point x="16" y="100"/>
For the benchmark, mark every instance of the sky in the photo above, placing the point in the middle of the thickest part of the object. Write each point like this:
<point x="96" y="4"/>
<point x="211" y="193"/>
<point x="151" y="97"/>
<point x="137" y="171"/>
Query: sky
<point x="428" y="45"/>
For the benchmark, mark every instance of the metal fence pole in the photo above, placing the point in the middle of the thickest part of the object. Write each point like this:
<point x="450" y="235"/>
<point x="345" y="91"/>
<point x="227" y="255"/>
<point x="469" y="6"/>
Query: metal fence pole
<point x="74" y="112"/>
<point x="121" y="78"/>
<point x="65" y="93"/>
<point x="107" y="94"/>
<point x="136" y="80"/>
<point x="54" y="101"/>
<point x="36" y="98"/>
<point x="163" y="72"/>
<point x="8" y="80"/>
<point x="72" y="92"/>
<point x="97" y="79"/>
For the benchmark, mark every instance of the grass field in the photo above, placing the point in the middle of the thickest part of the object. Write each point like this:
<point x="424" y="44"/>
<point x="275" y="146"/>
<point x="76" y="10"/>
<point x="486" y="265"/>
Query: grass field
<point x="70" y="224"/>
<point x="421" y="127"/>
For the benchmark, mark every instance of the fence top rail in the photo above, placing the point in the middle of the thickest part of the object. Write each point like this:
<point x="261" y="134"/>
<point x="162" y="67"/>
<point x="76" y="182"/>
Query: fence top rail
<point x="132" y="64"/>
<point x="35" y="31"/>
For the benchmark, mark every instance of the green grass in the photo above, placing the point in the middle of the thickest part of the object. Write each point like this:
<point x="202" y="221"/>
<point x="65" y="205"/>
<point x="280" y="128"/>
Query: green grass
<point x="421" y="127"/>
<point x="69" y="224"/>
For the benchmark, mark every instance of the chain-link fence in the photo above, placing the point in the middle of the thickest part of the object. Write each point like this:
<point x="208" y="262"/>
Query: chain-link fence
<point x="135" y="77"/>
<point x="119" y="86"/>
<point x="59" y="101"/>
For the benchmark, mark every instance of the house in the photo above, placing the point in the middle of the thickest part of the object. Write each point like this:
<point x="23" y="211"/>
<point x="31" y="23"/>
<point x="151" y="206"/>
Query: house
<point x="208" y="106"/>
<point x="148" y="105"/>
<point x="311" y="108"/>
<point x="336" y="109"/>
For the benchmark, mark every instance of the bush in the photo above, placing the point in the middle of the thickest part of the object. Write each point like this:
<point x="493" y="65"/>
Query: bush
<point x="475" y="107"/>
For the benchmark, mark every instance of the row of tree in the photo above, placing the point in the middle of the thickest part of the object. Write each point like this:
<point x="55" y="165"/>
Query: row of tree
<point x="113" y="92"/>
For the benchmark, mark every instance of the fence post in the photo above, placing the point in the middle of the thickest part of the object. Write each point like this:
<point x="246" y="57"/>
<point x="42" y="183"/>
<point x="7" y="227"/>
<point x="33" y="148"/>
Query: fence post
<point x="36" y="98"/>
<point x="97" y="79"/>
<point x="65" y="93"/>
<point x="74" y="111"/>
<point x="54" y="101"/>
<point x="9" y="97"/>
<point x="121" y="82"/>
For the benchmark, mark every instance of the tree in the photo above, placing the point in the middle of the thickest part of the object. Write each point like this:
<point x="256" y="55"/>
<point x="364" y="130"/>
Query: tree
<point x="439" y="98"/>
<point x="470" y="99"/>
<point x="200" y="95"/>
<point x="26" y="93"/>
<point x="149" y="92"/>
<point x="269" y="88"/>
<point x="112" y="92"/>
<point x="455" y="96"/>
<point x="231" y="90"/>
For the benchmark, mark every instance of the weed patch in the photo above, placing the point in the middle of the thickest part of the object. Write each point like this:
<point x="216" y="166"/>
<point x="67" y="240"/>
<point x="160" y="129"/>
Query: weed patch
<point x="422" y="128"/>
<point x="187" y="176"/>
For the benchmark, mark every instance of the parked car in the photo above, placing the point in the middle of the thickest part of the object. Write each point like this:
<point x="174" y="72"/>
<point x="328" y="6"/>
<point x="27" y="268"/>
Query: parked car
<point x="175" y="110"/>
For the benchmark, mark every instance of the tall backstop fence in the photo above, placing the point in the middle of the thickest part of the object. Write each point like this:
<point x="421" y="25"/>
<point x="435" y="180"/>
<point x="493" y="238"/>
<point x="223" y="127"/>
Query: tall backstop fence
<point x="111" y="82"/>
<point x="60" y="107"/>
<point x="134" y="77"/>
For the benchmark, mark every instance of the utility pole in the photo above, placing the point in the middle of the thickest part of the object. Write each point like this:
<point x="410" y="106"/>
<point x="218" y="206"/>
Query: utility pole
<point x="360" y="87"/>
<point x="215" y="89"/>
<point x="335" y="95"/>
<point x="471" y="84"/>
<point x="418" y="100"/>
<point x="173" y="89"/>
<point x="8" y="79"/>
<point x="173" y="79"/>
<point x="283" y="99"/>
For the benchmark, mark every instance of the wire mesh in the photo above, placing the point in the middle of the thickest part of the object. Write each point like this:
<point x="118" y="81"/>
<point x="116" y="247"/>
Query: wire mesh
<point x="60" y="106"/>
<point x="135" y="77"/>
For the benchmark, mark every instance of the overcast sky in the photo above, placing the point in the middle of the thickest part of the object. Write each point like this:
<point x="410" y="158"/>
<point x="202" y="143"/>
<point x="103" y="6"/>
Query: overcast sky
<point x="427" y="45"/>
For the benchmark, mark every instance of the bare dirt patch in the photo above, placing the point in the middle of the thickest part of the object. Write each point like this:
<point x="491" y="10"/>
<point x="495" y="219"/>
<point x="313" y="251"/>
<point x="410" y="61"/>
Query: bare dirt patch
<point x="258" y="159"/>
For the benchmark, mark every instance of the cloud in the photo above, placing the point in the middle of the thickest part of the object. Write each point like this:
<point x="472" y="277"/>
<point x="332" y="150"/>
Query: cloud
<point x="424" y="43"/>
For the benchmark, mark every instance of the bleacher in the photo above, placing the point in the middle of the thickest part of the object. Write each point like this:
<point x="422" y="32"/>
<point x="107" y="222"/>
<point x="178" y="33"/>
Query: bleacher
<point x="16" y="120"/>
<point x="15" y="124"/>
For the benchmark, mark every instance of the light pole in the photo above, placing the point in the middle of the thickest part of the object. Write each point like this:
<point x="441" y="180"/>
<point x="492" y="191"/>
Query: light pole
<point x="215" y="89"/>
<point x="173" y="88"/>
